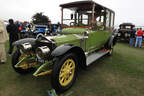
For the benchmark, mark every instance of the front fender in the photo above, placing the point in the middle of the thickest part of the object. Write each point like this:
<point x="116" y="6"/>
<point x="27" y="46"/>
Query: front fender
<point x="62" y="50"/>
<point x="32" y="41"/>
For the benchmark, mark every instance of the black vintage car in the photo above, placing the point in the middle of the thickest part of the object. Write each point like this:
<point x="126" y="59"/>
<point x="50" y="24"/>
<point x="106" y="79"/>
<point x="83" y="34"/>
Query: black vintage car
<point x="124" y="31"/>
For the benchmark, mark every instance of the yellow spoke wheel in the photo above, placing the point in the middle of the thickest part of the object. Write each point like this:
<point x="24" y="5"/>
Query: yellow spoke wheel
<point x="67" y="72"/>
<point x="25" y="63"/>
<point x="24" y="68"/>
<point x="64" y="72"/>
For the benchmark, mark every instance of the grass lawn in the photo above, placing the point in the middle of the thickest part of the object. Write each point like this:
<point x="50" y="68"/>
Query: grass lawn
<point x="119" y="75"/>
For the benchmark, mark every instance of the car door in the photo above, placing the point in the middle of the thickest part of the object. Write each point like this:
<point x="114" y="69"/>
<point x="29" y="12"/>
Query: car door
<point x="96" y="39"/>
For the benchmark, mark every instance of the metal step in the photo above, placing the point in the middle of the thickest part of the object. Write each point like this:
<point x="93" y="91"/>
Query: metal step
<point x="94" y="56"/>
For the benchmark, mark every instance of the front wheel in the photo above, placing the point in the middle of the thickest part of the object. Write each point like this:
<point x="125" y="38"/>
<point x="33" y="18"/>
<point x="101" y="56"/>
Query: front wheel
<point x="64" y="72"/>
<point x="15" y="59"/>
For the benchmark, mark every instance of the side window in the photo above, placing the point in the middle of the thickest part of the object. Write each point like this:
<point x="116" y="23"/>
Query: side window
<point x="107" y="19"/>
<point x="85" y="19"/>
<point x="112" y="20"/>
<point x="68" y="17"/>
<point x="100" y="20"/>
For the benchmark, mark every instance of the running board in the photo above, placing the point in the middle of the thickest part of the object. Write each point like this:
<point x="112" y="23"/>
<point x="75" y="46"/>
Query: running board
<point x="95" y="56"/>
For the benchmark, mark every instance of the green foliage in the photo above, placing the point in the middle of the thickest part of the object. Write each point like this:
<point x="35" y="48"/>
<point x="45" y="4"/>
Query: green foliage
<point x="39" y="18"/>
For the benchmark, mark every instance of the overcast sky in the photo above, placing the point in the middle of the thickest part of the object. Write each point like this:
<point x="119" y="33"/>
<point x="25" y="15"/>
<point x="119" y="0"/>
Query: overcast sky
<point x="22" y="10"/>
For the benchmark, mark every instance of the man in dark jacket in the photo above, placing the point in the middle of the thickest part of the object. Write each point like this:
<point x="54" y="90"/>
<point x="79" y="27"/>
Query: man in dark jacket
<point x="132" y="36"/>
<point x="13" y="34"/>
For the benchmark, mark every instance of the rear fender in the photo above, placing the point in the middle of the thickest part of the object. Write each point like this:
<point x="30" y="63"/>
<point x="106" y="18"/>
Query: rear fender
<point x="113" y="39"/>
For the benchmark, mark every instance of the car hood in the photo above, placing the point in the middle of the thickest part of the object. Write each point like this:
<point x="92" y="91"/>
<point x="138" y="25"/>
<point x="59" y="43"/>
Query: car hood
<point x="64" y="39"/>
<point x="74" y="30"/>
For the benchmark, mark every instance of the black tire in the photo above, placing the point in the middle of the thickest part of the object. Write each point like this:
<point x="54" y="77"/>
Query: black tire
<point x="58" y="63"/>
<point x="15" y="59"/>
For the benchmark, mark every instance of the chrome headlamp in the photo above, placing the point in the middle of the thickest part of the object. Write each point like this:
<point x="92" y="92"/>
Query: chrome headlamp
<point x="25" y="47"/>
<point x="42" y="52"/>
<point x="119" y="34"/>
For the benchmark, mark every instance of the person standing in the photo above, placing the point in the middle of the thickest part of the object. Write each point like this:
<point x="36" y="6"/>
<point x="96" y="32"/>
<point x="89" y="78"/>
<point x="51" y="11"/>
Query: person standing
<point x="132" y="36"/>
<point x="139" y="35"/>
<point x="13" y="34"/>
<point x="50" y="27"/>
<point x="59" y="27"/>
<point x="143" y="39"/>
<point x="17" y="23"/>
<point x="3" y="39"/>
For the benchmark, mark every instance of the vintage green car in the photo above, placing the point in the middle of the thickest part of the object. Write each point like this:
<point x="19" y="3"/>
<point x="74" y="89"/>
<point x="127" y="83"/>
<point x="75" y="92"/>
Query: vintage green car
<point x="87" y="35"/>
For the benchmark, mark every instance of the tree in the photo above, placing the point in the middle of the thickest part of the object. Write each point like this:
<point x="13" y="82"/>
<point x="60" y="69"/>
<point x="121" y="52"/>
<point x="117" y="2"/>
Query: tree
<point x="39" y="18"/>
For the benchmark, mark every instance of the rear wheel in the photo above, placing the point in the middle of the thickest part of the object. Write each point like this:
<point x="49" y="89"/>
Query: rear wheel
<point x="15" y="59"/>
<point x="64" y="72"/>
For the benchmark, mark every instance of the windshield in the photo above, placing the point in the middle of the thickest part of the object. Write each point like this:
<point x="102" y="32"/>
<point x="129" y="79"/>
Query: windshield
<point x="125" y="27"/>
